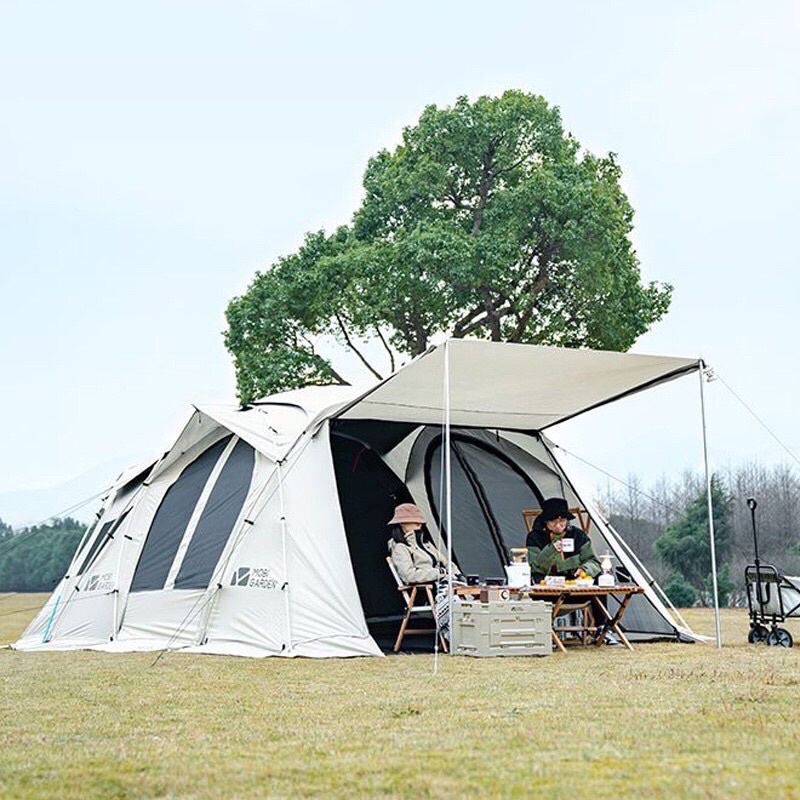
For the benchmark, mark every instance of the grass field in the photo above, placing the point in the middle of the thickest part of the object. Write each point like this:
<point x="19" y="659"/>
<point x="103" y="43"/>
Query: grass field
<point x="666" y="721"/>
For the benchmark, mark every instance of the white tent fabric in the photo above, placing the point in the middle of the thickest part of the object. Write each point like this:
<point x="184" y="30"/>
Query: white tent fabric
<point x="514" y="386"/>
<point x="272" y="592"/>
<point x="244" y="538"/>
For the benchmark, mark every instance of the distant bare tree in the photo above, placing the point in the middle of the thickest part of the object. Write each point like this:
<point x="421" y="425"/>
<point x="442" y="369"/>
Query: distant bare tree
<point x="642" y="515"/>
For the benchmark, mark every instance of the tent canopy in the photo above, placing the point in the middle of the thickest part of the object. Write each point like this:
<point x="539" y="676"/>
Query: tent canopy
<point x="512" y="386"/>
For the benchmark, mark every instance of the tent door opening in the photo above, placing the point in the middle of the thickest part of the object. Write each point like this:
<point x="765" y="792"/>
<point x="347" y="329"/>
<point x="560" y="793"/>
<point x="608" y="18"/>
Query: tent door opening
<point x="489" y="491"/>
<point x="490" y="488"/>
<point x="368" y="492"/>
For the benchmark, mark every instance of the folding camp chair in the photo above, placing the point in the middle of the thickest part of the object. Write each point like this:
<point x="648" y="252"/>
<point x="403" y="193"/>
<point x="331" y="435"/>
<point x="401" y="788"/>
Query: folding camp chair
<point x="411" y="592"/>
<point x="530" y="514"/>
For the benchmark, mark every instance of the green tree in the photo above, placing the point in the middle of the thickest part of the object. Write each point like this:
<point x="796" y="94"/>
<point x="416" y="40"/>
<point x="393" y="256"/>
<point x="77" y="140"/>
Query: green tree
<point x="725" y="587"/>
<point x="685" y="546"/>
<point x="34" y="559"/>
<point x="680" y="592"/>
<point x="488" y="220"/>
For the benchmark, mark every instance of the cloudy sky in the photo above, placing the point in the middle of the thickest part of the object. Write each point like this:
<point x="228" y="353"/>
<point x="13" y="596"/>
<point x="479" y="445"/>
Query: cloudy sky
<point x="154" y="155"/>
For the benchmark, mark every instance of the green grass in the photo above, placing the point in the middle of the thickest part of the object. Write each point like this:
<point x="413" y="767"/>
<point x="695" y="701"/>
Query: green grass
<point x="666" y="721"/>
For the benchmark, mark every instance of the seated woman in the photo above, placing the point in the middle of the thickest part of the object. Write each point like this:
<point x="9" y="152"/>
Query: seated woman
<point x="414" y="555"/>
<point x="557" y="548"/>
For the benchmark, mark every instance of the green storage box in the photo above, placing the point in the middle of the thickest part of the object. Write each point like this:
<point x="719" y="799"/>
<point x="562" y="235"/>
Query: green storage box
<point x="511" y="628"/>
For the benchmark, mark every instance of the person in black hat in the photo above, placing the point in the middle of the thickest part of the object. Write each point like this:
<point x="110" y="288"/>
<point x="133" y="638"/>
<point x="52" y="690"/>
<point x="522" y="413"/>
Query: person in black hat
<point x="557" y="548"/>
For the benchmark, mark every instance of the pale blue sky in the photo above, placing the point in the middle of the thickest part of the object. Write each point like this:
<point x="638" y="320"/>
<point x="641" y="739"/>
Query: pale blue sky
<point x="154" y="155"/>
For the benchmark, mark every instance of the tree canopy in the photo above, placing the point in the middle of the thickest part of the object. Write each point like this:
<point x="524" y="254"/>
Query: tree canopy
<point x="488" y="220"/>
<point x="35" y="559"/>
<point x="685" y="545"/>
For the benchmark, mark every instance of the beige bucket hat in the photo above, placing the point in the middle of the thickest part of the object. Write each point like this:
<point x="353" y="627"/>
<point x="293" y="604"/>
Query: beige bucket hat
<point x="406" y="512"/>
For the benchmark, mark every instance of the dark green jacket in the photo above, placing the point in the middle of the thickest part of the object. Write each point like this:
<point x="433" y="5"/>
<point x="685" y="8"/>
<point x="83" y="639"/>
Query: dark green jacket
<point x="546" y="560"/>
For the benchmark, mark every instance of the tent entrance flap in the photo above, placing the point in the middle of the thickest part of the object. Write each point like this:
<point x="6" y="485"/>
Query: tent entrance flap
<point x="368" y="492"/>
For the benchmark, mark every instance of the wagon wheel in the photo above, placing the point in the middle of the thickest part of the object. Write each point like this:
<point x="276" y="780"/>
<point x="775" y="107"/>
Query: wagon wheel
<point x="779" y="637"/>
<point x="758" y="634"/>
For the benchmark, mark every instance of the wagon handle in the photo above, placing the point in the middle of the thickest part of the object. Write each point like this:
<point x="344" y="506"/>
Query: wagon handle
<point x="752" y="505"/>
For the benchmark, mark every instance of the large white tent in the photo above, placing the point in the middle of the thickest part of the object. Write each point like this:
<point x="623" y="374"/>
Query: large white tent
<point x="262" y="530"/>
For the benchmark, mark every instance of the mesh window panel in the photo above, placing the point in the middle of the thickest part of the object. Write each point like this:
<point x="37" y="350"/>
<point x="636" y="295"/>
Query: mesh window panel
<point x="472" y="537"/>
<point x="218" y="518"/>
<point x="506" y="491"/>
<point x="97" y="544"/>
<point x="488" y="497"/>
<point x="171" y="519"/>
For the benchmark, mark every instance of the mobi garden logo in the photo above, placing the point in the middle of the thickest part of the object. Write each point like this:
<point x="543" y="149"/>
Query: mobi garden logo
<point x="100" y="583"/>
<point x="254" y="577"/>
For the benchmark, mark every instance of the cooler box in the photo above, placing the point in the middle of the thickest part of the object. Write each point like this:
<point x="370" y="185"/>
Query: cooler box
<point x="515" y="628"/>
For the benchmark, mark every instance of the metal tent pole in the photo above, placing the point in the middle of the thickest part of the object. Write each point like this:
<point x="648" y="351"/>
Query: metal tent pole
<point x="286" y="587"/>
<point x="701" y="372"/>
<point x="447" y="492"/>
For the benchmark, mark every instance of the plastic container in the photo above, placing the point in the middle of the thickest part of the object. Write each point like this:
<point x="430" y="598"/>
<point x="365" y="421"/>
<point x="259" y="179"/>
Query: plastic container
<point x="516" y="628"/>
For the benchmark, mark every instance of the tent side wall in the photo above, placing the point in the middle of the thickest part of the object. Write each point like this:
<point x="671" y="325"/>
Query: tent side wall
<point x="289" y="587"/>
<point x="72" y="618"/>
<point x="221" y="551"/>
<point x="91" y="602"/>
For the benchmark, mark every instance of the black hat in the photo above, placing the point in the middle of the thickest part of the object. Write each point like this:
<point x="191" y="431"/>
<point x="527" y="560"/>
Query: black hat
<point x="553" y="508"/>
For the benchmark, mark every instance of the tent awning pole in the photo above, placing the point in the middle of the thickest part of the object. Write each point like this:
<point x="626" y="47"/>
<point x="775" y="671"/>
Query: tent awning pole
<point x="701" y="374"/>
<point x="447" y="493"/>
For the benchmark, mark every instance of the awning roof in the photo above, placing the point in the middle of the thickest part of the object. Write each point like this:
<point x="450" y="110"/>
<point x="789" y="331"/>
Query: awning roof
<point x="516" y="386"/>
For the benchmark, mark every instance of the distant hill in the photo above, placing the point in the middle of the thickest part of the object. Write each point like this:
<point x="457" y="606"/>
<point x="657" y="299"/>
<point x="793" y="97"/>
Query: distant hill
<point x="78" y="498"/>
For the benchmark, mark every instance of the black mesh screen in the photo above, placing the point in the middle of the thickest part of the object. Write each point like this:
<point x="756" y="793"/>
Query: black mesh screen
<point x="475" y="549"/>
<point x="218" y="518"/>
<point x="171" y="519"/>
<point x="489" y="493"/>
<point x="97" y="543"/>
<point x="368" y="493"/>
